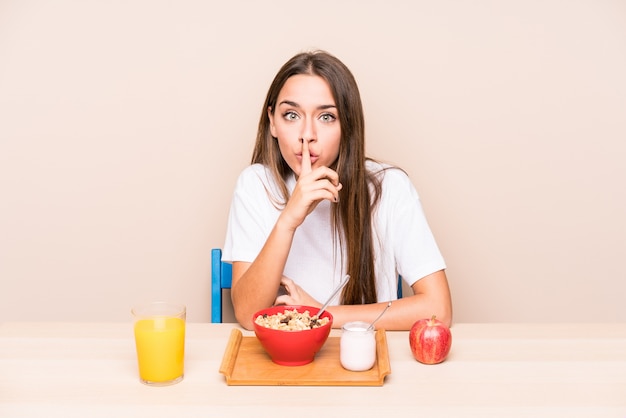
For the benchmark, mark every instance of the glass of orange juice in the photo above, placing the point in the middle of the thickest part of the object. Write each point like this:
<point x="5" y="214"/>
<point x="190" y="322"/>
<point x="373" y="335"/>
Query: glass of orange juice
<point x="160" y="341"/>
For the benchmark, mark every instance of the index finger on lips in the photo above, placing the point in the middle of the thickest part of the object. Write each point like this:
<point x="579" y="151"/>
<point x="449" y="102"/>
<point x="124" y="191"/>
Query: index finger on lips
<point x="306" y="158"/>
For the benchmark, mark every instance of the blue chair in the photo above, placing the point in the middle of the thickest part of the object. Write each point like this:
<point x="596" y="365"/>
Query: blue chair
<point x="222" y="278"/>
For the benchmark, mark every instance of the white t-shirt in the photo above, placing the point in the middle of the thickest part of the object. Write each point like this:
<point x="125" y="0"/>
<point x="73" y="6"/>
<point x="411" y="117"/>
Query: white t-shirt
<point x="404" y="244"/>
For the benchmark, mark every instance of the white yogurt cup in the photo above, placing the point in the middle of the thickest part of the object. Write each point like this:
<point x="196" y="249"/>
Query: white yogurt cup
<point x="357" y="347"/>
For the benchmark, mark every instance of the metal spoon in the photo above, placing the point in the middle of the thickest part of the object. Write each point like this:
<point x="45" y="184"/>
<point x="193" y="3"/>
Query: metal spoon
<point x="377" y="318"/>
<point x="341" y="285"/>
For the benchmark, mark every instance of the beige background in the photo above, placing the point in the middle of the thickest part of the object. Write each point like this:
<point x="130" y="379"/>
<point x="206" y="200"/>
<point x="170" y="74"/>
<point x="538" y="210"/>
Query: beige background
<point x="123" y="127"/>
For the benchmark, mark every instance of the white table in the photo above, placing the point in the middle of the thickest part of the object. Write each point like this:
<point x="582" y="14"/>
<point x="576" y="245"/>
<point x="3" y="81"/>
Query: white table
<point x="493" y="370"/>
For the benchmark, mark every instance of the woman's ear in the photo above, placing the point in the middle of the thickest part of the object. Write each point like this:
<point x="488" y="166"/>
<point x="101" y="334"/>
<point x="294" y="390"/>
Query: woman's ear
<point x="270" y="115"/>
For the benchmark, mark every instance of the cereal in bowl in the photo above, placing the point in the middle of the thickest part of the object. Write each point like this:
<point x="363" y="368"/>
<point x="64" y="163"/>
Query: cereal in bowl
<point x="290" y="320"/>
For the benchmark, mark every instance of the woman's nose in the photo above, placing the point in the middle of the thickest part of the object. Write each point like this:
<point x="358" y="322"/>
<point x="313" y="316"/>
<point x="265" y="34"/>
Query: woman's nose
<point x="308" y="131"/>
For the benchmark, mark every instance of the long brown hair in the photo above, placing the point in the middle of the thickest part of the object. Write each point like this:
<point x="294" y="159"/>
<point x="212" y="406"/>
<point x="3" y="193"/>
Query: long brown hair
<point x="352" y="216"/>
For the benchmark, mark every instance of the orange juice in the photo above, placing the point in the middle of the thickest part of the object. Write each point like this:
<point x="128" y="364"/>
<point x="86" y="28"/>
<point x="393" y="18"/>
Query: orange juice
<point x="160" y="349"/>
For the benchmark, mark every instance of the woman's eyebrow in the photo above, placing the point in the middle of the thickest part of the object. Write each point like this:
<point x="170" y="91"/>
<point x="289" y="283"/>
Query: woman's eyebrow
<point x="294" y="104"/>
<point x="288" y="103"/>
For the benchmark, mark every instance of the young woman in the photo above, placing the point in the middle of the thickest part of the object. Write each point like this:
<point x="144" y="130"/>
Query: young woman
<point x="312" y="208"/>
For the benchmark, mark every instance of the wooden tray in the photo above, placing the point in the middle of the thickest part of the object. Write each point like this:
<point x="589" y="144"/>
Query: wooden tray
<point x="245" y="363"/>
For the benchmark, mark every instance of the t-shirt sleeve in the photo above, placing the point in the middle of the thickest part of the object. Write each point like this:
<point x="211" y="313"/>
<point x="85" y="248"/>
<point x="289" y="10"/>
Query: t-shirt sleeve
<point x="251" y="217"/>
<point x="416" y="252"/>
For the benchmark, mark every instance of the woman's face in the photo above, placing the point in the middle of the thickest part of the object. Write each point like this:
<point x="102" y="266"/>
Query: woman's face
<point x="305" y="109"/>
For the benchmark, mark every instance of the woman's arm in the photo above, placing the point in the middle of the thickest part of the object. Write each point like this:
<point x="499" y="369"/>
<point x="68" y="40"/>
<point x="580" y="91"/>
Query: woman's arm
<point x="432" y="297"/>
<point x="255" y="284"/>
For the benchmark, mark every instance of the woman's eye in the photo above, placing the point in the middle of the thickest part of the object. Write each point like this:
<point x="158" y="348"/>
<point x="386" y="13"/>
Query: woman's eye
<point x="290" y="115"/>
<point x="327" y="117"/>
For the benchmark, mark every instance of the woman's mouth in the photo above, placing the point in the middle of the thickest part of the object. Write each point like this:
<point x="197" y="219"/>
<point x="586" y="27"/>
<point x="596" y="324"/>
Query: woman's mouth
<point x="313" y="157"/>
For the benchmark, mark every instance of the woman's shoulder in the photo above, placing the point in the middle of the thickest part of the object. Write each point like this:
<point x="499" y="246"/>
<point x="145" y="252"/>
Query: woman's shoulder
<point x="254" y="173"/>
<point x="252" y="176"/>
<point x="253" y="169"/>
<point x="388" y="174"/>
<point x="257" y="177"/>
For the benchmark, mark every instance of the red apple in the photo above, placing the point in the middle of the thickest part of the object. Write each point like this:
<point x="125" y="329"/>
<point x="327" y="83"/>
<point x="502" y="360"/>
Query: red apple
<point x="430" y="341"/>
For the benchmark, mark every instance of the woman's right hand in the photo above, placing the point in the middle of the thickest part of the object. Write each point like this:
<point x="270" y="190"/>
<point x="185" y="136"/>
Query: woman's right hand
<point x="312" y="187"/>
<point x="294" y="295"/>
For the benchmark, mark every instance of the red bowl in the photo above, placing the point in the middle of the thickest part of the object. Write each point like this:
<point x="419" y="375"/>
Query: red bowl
<point x="292" y="348"/>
